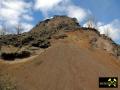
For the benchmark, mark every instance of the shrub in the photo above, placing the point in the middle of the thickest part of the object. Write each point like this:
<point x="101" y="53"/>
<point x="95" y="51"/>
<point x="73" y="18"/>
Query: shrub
<point x="8" y="56"/>
<point x="26" y="40"/>
<point x="22" y="54"/>
<point x="14" y="55"/>
<point x="41" y="43"/>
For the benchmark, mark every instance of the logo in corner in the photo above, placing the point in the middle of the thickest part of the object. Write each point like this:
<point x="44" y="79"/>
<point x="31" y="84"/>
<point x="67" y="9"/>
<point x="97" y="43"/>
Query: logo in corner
<point x="108" y="82"/>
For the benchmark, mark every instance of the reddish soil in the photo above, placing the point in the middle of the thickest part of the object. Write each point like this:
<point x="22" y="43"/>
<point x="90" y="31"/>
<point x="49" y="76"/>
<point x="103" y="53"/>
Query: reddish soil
<point x="69" y="64"/>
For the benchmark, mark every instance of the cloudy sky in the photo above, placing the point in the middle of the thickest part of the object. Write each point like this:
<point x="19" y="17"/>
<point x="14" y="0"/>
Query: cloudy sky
<point x="30" y="12"/>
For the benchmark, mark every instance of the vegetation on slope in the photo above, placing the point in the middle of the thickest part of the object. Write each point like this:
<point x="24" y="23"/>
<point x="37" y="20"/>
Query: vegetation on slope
<point x="41" y="34"/>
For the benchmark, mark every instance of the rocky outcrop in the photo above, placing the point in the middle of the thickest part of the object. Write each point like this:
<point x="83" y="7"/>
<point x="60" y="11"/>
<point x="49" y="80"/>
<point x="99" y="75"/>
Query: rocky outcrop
<point x="107" y="44"/>
<point x="57" y="23"/>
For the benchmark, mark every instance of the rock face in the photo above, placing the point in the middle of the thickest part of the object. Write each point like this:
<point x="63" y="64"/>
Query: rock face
<point x="106" y="44"/>
<point x="57" y="23"/>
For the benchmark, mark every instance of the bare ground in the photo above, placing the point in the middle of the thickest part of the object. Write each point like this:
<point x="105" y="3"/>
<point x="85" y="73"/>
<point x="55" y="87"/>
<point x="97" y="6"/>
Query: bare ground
<point x="66" y="65"/>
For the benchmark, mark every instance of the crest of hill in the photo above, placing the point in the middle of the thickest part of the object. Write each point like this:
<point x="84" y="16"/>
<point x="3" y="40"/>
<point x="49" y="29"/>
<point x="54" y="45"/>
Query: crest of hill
<point x="57" y="23"/>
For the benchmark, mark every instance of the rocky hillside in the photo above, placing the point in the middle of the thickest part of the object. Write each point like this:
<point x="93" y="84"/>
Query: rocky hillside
<point x="42" y="34"/>
<point x="57" y="54"/>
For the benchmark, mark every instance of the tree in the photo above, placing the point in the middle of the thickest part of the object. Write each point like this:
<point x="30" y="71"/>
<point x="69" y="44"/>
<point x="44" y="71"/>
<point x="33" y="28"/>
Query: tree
<point x="91" y="22"/>
<point x="107" y="32"/>
<point x="19" y="28"/>
<point x="3" y="29"/>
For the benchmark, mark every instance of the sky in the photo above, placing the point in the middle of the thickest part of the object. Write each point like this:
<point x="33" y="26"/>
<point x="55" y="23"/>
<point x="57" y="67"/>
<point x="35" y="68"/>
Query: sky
<point x="29" y="12"/>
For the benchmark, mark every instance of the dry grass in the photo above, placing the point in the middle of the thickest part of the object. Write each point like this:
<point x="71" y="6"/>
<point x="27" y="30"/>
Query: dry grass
<point x="6" y="83"/>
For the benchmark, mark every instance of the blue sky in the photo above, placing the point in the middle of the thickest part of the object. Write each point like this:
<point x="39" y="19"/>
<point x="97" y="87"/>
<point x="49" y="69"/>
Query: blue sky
<point x="30" y="12"/>
<point x="103" y="10"/>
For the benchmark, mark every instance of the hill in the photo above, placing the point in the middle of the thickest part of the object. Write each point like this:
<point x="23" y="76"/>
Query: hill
<point x="63" y="57"/>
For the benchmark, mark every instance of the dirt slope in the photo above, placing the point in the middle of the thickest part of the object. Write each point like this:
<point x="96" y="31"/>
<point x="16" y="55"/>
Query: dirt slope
<point x="69" y="64"/>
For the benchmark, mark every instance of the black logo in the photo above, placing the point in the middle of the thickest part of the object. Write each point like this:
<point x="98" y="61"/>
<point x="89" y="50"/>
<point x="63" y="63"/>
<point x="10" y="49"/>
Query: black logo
<point x="108" y="82"/>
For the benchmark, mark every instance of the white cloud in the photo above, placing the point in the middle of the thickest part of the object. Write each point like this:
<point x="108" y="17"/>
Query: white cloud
<point x="27" y="26"/>
<point x="46" y="4"/>
<point x="79" y="13"/>
<point x="65" y="7"/>
<point x="28" y="17"/>
<point x="16" y="5"/>
<point x="100" y="24"/>
<point x="113" y="29"/>
<point x="15" y="11"/>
